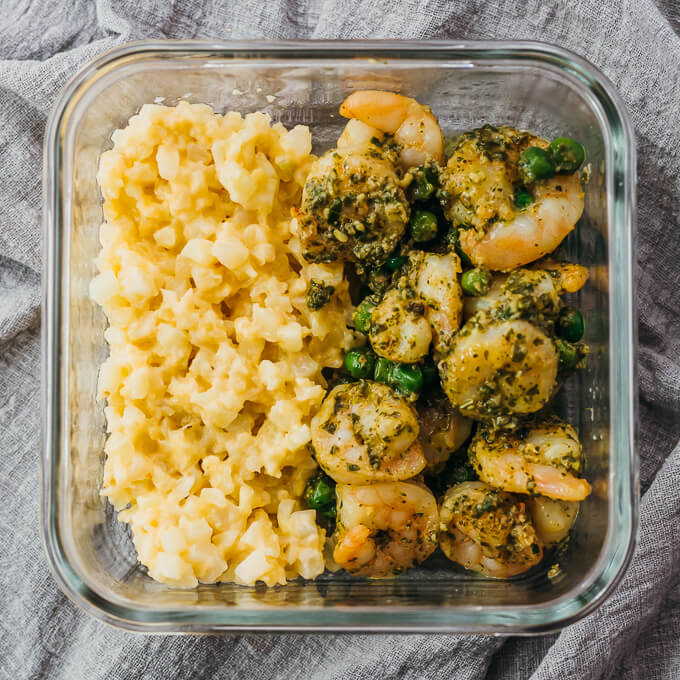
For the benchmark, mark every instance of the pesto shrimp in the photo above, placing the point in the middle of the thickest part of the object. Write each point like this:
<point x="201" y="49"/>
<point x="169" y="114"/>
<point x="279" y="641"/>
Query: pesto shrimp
<point x="413" y="126"/>
<point x="442" y="431"/>
<point x="365" y="432"/>
<point x="499" y="368"/>
<point x="480" y="196"/>
<point x="553" y="519"/>
<point x="425" y="306"/>
<point x="543" y="458"/>
<point x="353" y="205"/>
<point x="384" y="528"/>
<point x="529" y="292"/>
<point x="488" y="531"/>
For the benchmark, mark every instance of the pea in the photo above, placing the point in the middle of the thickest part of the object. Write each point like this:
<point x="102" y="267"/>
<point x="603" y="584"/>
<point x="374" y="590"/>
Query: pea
<point x="423" y="226"/>
<point x="570" y="324"/>
<point x="360" y="362"/>
<point x="476" y="282"/>
<point x="523" y="199"/>
<point x="320" y="492"/>
<point x="567" y="154"/>
<point x="396" y="262"/>
<point x="362" y="314"/>
<point x="535" y="163"/>
<point x="406" y="378"/>
<point x="570" y="355"/>
<point x="424" y="185"/>
<point x="381" y="372"/>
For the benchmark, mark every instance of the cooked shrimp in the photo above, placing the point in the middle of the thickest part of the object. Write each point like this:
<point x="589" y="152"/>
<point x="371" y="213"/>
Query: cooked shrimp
<point x="385" y="528"/>
<point x="353" y="207"/>
<point x="365" y="432"/>
<point x="488" y="531"/>
<point x="542" y="459"/>
<point x="442" y="431"/>
<point x="553" y="519"/>
<point x="435" y="279"/>
<point x="399" y="330"/>
<point x="529" y="292"/>
<point x="569" y="277"/>
<point x="499" y="368"/>
<point x="424" y="305"/>
<point x="473" y="304"/>
<point x="480" y="180"/>
<point x="413" y="126"/>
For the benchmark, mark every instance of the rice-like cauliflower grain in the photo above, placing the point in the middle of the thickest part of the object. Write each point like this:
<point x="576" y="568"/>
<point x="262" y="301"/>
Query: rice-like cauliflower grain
<point x="215" y="360"/>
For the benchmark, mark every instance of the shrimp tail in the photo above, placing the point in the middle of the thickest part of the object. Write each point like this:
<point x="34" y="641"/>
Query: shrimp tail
<point x="385" y="111"/>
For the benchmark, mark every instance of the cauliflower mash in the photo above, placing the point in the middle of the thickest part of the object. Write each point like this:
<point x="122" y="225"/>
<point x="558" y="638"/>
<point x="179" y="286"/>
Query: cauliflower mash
<point x="215" y="358"/>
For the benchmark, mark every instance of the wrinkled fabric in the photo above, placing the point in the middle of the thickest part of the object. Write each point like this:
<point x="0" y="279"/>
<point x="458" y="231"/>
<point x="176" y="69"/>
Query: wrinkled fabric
<point x="635" y="634"/>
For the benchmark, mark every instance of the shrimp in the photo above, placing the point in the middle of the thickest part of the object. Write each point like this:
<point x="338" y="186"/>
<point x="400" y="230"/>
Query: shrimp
<point x="442" y="431"/>
<point x="435" y="279"/>
<point x="353" y="206"/>
<point x="488" y="531"/>
<point x="414" y="127"/>
<point x="480" y="181"/>
<point x="553" y="519"/>
<point x="365" y="432"/>
<point x="399" y="330"/>
<point x="424" y="305"/>
<point x="541" y="459"/>
<point x="383" y="529"/>
<point x="499" y="367"/>
<point x="529" y="292"/>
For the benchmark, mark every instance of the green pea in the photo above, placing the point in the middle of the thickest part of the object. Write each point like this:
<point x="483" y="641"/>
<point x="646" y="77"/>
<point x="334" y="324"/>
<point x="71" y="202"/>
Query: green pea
<point x="570" y="355"/>
<point x="423" y="226"/>
<point x="320" y="492"/>
<point x="523" y="199"/>
<point x="476" y="282"/>
<point x="362" y="314"/>
<point x="396" y="262"/>
<point x="567" y="154"/>
<point x="360" y="362"/>
<point x="423" y="189"/>
<point x="406" y="378"/>
<point x="381" y="372"/>
<point x="424" y="185"/>
<point x="570" y="324"/>
<point x="535" y="163"/>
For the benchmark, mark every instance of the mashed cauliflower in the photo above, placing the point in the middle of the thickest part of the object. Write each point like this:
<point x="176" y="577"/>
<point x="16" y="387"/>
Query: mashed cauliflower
<point x="215" y="360"/>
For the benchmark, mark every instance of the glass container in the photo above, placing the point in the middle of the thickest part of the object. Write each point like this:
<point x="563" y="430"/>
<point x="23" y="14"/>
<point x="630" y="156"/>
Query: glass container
<point x="527" y="85"/>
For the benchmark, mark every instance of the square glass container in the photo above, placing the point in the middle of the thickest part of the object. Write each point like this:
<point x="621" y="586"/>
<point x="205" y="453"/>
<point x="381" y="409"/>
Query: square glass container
<point x="527" y="85"/>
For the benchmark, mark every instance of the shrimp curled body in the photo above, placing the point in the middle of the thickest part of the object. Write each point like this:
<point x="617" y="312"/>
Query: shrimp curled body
<point x="365" y="432"/>
<point x="480" y="183"/>
<point x="499" y="367"/>
<point x="488" y="531"/>
<point x="413" y="126"/>
<point x="542" y="459"/>
<point x="424" y="306"/>
<point x="384" y="528"/>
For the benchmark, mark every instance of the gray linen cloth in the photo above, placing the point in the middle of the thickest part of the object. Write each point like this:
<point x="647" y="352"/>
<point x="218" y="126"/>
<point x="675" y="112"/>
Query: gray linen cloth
<point x="636" y="633"/>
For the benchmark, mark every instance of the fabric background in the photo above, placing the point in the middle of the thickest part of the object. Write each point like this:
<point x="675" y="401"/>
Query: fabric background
<point x="635" y="634"/>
